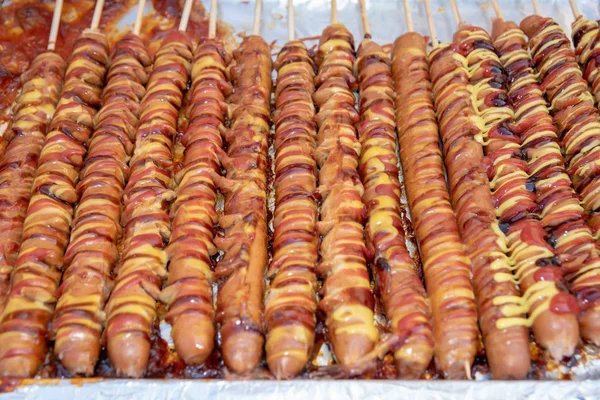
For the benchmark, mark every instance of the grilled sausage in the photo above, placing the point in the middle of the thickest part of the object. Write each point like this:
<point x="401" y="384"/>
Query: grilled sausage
<point x="504" y="337"/>
<point x="189" y="288"/>
<point x="92" y="251"/>
<point x="347" y="300"/>
<point x="401" y="289"/>
<point x="291" y="302"/>
<point x="38" y="269"/>
<point x="446" y="267"/>
<point x="576" y="118"/>
<point x="243" y="239"/>
<point x="35" y="106"/>
<point x="131" y="309"/>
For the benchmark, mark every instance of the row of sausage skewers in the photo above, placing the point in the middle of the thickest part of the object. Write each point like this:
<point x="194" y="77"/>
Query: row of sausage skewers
<point x="100" y="223"/>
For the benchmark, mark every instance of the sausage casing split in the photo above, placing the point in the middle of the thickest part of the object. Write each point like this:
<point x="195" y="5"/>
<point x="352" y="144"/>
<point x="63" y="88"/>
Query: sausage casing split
<point x="446" y="267"/>
<point x="401" y="289"/>
<point x="243" y="239"/>
<point x="131" y="308"/>
<point x="38" y="269"/>
<point x="35" y="106"/>
<point x="291" y="304"/>
<point x="92" y="251"/>
<point x="578" y="128"/>
<point x="347" y="300"/>
<point x="188" y="293"/>
<point x="507" y="348"/>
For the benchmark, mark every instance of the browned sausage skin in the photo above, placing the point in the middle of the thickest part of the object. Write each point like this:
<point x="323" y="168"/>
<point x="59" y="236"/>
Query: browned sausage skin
<point x="131" y="308"/>
<point x="38" y="269"/>
<point x="401" y="289"/>
<point x="507" y="345"/>
<point x="446" y="267"/>
<point x="243" y="236"/>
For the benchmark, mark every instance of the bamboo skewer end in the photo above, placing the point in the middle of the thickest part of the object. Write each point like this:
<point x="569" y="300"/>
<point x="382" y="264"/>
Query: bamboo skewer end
<point x="185" y="15"/>
<point x="212" y="21"/>
<point x="97" y="14"/>
<point x="55" y="24"/>
<point x="257" y="15"/>
<point x="139" y="17"/>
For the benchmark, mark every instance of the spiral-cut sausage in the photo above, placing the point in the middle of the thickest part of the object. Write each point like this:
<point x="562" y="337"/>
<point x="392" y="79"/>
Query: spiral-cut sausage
<point x="446" y="267"/>
<point x="507" y="347"/>
<point x="515" y="205"/>
<point x="401" y="289"/>
<point x="243" y="239"/>
<point x="131" y="309"/>
<point x="92" y="251"/>
<point x="30" y="303"/>
<point x="347" y="299"/>
<point x="291" y="302"/>
<point x="188" y="293"/>
<point x="586" y="37"/>
<point x="576" y="118"/>
<point x="35" y="106"/>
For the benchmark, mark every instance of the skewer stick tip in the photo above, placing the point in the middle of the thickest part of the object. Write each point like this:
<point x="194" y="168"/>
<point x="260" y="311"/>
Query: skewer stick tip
<point x="212" y="20"/>
<point x="257" y="15"/>
<point x="536" y="7"/>
<point x="365" y="18"/>
<point x="55" y="24"/>
<point x="185" y="15"/>
<point x="575" y="8"/>
<point x="434" y="39"/>
<point x="139" y="17"/>
<point x="97" y="14"/>
<point x="455" y="12"/>
<point x="408" y="16"/>
<point x="333" y="11"/>
<point x="497" y="9"/>
<point x="291" y="30"/>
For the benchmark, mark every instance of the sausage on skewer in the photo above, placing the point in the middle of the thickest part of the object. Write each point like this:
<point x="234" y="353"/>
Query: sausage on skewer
<point x="92" y="251"/>
<point x="576" y="118"/>
<point x="291" y="302"/>
<point x="347" y="299"/>
<point x="35" y="106"/>
<point x="446" y="267"/>
<point x="188" y="293"/>
<point x="243" y="239"/>
<point x="401" y="289"/>
<point x="506" y="340"/>
<point x="131" y="309"/>
<point x="515" y="204"/>
<point x="38" y="269"/>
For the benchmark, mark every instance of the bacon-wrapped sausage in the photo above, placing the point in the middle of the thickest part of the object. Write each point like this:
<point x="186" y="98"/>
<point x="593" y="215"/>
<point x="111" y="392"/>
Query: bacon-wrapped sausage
<point x="401" y="289"/>
<point x="347" y="299"/>
<point x="446" y="267"/>
<point x="131" y="309"/>
<point x="586" y="37"/>
<point x="92" y="251"/>
<point x="30" y="303"/>
<point x="505" y="339"/>
<point x="243" y="239"/>
<point x="189" y="288"/>
<point x="291" y="302"/>
<point x="35" y="106"/>
<point x="576" y="118"/>
<point x="529" y="253"/>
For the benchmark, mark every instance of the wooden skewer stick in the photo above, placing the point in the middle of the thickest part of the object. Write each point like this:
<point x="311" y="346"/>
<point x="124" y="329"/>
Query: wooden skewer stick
<point x="257" y="15"/>
<point x="291" y="31"/>
<point x="408" y="16"/>
<point x="97" y="15"/>
<point x="455" y="12"/>
<point x="185" y="15"/>
<point x="365" y="18"/>
<point x="55" y="23"/>
<point x="434" y="40"/>
<point x="212" y="20"/>
<point x="139" y="17"/>
<point x="333" y="12"/>
<point x="574" y="8"/>
<point x="497" y="9"/>
<point x="536" y="7"/>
